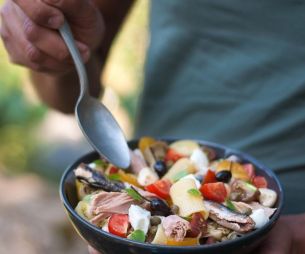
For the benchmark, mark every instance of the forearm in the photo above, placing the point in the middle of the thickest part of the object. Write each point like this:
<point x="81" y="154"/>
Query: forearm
<point x="61" y="91"/>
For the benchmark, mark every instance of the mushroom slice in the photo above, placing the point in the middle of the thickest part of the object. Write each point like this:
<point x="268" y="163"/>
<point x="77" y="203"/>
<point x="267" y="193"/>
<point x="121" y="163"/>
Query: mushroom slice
<point x="155" y="152"/>
<point x="242" y="207"/>
<point x="243" y="191"/>
<point x="216" y="231"/>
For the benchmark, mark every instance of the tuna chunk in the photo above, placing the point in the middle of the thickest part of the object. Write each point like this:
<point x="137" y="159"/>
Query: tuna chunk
<point x="104" y="204"/>
<point x="175" y="227"/>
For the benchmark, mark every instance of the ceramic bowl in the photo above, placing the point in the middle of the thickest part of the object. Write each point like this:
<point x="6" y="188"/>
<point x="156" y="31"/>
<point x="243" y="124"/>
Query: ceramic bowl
<point x="111" y="244"/>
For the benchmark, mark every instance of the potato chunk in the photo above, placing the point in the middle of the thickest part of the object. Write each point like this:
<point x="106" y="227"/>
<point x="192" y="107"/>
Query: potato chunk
<point x="181" y="168"/>
<point x="187" y="203"/>
<point x="184" y="147"/>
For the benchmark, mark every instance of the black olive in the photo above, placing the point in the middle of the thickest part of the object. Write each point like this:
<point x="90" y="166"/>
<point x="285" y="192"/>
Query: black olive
<point x="223" y="176"/>
<point x="159" y="207"/>
<point x="202" y="241"/>
<point x="160" y="168"/>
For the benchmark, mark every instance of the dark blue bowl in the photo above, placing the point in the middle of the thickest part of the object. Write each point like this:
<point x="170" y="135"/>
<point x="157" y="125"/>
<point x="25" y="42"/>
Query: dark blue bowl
<point x="111" y="244"/>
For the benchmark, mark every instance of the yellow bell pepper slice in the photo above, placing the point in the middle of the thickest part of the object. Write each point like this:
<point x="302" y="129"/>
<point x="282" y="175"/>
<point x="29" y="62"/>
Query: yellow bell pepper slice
<point x="224" y="165"/>
<point x="184" y="242"/>
<point x="129" y="178"/>
<point x="145" y="142"/>
<point x="237" y="169"/>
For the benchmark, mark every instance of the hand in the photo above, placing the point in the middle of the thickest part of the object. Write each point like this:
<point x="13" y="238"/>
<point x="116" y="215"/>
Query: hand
<point x="31" y="39"/>
<point x="93" y="251"/>
<point x="287" y="236"/>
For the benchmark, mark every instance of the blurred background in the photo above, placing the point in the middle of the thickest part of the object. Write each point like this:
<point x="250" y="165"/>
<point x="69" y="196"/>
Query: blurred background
<point x="37" y="144"/>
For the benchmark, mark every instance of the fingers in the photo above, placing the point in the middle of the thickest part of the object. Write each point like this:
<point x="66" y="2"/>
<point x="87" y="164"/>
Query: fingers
<point x="296" y="224"/>
<point x="30" y="41"/>
<point x="85" y="19"/>
<point x="279" y="240"/>
<point x="93" y="251"/>
<point x="18" y="53"/>
<point x="3" y="31"/>
<point x="77" y="8"/>
<point x="50" y="42"/>
<point x="41" y="13"/>
<point x="24" y="52"/>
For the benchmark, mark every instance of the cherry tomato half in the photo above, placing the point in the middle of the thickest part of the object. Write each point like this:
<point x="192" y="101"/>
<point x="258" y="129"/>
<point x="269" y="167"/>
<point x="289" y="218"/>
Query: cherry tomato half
<point x="214" y="191"/>
<point x="113" y="170"/>
<point x="260" y="182"/>
<point x="210" y="177"/>
<point x="118" y="225"/>
<point x="172" y="155"/>
<point x="160" y="188"/>
<point x="249" y="168"/>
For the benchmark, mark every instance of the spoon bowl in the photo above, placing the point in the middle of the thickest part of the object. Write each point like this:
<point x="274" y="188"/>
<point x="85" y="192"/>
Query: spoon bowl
<point x="94" y="119"/>
<point x="102" y="131"/>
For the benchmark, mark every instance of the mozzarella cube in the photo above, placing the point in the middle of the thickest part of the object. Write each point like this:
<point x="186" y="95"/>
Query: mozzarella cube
<point x="259" y="217"/>
<point x="200" y="160"/>
<point x="147" y="176"/>
<point x="267" y="197"/>
<point x="139" y="218"/>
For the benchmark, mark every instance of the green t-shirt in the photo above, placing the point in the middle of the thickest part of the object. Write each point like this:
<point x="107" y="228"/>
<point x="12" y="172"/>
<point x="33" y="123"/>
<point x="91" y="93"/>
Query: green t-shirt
<point x="231" y="72"/>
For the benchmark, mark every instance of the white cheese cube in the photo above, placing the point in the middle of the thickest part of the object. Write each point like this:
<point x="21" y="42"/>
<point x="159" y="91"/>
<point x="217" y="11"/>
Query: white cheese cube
<point x="267" y="197"/>
<point x="200" y="160"/>
<point x="147" y="176"/>
<point x="259" y="218"/>
<point x="139" y="218"/>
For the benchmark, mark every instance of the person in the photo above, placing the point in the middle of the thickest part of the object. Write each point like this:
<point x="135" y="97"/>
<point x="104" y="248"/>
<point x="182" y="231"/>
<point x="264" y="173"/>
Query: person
<point x="231" y="72"/>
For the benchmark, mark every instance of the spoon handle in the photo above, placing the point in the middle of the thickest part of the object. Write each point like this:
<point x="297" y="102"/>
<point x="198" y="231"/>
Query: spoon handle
<point x="67" y="36"/>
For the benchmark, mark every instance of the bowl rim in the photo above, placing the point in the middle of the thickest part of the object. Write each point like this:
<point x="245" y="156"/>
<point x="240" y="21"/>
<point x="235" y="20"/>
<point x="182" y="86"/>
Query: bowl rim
<point x="230" y="243"/>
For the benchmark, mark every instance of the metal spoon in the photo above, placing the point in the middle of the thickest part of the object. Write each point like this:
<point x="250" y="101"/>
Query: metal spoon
<point x="94" y="119"/>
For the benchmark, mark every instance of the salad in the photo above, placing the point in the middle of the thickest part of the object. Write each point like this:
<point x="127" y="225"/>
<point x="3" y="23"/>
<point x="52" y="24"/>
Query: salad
<point x="177" y="194"/>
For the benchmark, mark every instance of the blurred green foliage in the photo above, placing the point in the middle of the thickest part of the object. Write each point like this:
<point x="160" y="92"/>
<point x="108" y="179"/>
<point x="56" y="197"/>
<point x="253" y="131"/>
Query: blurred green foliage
<point x="18" y="118"/>
<point x="124" y="68"/>
<point x="19" y="148"/>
